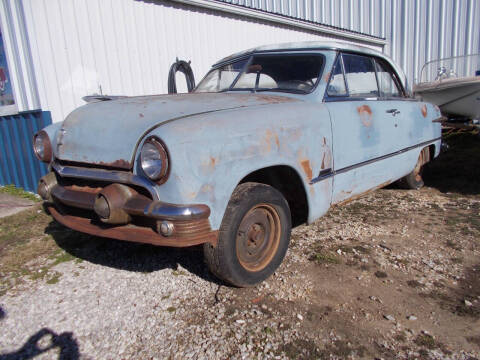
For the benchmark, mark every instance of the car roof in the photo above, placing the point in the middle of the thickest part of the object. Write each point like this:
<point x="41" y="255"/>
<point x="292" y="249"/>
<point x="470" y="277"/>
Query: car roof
<point x="317" y="45"/>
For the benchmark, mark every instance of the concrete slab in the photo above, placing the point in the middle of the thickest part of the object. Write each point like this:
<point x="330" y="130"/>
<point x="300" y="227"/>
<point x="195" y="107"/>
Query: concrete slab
<point x="10" y="205"/>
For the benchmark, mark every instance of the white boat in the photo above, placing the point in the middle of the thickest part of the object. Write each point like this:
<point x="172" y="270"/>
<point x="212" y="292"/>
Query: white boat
<point x="453" y="84"/>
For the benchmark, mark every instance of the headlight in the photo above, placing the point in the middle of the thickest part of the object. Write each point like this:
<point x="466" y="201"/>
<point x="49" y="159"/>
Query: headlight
<point x="154" y="159"/>
<point x="42" y="146"/>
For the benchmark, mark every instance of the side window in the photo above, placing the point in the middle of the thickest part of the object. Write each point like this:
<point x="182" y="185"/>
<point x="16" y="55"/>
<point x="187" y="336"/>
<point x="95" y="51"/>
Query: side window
<point x="386" y="81"/>
<point x="336" y="86"/>
<point x="360" y="76"/>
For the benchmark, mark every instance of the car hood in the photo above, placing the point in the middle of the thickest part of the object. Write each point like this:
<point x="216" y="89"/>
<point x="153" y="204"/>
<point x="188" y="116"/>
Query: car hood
<point x="106" y="133"/>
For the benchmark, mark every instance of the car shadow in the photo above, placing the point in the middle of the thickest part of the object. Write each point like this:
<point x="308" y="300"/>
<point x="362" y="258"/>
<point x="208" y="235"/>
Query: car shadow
<point x="129" y="256"/>
<point x="456" y="170"/>
<point x="38" y="344"/>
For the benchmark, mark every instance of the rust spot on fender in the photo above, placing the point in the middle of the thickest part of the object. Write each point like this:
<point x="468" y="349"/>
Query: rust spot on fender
<point x="213" y="161"/>
<point x="307" y="169"/>
<point x="269" y="137"/>
<point x="424" y="110"/>
<point x="365" y="114"/>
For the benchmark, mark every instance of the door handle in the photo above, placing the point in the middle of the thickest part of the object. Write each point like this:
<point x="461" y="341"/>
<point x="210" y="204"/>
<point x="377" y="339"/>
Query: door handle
<point x="393" y="111"/>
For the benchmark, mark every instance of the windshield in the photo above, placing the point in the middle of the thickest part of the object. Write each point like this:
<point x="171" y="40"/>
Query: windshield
<point x="290" y="73"/>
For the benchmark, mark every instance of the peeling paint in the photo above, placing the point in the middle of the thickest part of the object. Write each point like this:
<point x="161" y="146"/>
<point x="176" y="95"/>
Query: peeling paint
<point x="326" y="77"/>
<point x="365" y="115"/>
<point x="212" y="161"/>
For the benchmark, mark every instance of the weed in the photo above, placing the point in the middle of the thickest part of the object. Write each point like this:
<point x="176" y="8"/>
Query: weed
<point x="457" y="260"/>
<point x="171" y="309"/>
<point x="268" y="330"/>
<point x="414" y="283"/>
<point x="452" y="245"/>
<point x="381" y="274"/>
<point x="54" y="279"/>
<point x="362" y="249"/>
<point x="178" y="272"/>
<point x="474" y="340"/>
<point x="324" y="258"/>
<point x="426" y="341"/>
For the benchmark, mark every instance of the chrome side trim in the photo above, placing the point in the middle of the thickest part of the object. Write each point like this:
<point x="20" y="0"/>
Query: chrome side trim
<point x="105" y="175"/>
<point x="323" y="176"/>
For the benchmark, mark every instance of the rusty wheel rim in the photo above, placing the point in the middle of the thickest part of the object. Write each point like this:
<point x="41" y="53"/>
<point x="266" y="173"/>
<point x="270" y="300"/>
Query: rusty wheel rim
<point x="418" y="167"/>
<point x="258" y="237"/>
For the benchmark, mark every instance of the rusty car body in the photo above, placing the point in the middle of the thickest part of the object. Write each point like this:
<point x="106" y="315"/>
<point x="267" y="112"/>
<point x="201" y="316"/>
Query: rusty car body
<point x="319" y="122"/>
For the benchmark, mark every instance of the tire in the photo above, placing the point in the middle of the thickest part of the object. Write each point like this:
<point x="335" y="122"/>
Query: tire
<point x="253" y="237"/>
<point x="414" y="180"/>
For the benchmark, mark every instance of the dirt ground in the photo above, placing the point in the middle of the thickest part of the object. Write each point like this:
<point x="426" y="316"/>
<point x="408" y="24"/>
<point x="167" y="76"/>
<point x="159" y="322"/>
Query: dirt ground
<point x="393" y="275"/>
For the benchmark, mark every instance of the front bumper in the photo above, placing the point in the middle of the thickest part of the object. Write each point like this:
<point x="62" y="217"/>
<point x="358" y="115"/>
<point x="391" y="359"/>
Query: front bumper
<point x="121" y="206"/>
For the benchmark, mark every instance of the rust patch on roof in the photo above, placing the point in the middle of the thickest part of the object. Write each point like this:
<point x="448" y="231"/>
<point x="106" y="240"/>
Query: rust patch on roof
<point x="424" y="110"/>
<point x="365" y="114"/>
<point x="307" y="169"/>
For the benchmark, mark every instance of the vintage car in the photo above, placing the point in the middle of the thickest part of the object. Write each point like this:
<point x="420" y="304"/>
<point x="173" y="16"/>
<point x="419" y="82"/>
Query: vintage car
<point x="271" y="138"/>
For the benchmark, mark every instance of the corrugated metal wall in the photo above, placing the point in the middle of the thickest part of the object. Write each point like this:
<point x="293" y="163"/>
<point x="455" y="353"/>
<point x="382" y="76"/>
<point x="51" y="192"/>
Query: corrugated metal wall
<point x="18" y="164"/>
<point x="416" y="30"/>
<point x="126" y="47"/>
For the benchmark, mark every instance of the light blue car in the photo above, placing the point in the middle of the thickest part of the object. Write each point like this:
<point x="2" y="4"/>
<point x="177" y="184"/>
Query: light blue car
<point x="271" y="138"/>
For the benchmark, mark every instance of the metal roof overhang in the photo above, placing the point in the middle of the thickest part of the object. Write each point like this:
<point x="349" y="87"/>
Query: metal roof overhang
<point x="285" y="20"/>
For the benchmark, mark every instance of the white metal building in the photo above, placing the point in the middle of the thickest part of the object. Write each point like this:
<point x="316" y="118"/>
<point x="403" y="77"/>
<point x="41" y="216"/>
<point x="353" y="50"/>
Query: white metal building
<point x="57" y="51"/>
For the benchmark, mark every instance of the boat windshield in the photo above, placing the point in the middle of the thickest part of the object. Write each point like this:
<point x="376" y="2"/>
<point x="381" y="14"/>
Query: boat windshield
<point x="295" y="73"/>
<point x="452" y="67"/>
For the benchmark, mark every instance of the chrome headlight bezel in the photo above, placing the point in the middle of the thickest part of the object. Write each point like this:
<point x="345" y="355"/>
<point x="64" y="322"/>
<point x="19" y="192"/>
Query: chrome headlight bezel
<point x="42" y="147"/>
<point x="154" y="160"/>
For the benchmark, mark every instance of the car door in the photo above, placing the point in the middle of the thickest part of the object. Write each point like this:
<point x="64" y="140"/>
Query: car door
<point x="365" y="127"/>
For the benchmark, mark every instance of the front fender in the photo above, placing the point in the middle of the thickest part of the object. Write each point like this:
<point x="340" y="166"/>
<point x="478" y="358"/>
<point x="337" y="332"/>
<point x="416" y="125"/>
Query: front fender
<point x="210" y="155"/>
<point x="51" y="131"/>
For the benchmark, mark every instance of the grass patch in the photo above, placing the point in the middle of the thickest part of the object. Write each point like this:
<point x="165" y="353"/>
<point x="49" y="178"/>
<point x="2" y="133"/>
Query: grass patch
<point x="19" y="192"/>
<point x="28" y="249"/>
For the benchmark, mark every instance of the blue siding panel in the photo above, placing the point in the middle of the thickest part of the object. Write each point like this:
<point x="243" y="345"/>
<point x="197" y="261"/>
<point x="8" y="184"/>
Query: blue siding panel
<point x="18" y="164"/>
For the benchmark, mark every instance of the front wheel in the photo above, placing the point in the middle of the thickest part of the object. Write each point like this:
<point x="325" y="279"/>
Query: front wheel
<point x="253" y="238"/>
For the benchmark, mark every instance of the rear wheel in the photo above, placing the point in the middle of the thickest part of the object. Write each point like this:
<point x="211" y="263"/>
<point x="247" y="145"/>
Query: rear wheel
<point x="414" y="180"/>
<point x="253" y="238"/>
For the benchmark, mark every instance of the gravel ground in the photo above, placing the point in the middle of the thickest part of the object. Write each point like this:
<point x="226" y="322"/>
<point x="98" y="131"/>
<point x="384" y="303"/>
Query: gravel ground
<point x="393" y="275"/>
